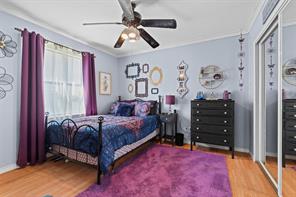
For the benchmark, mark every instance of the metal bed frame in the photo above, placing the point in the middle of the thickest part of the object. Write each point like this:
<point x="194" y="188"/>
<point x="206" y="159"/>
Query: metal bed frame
<point x="70" y="129"/>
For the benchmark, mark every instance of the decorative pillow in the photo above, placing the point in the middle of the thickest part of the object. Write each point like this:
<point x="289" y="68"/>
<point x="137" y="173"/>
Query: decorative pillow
<point x="153" y="107"/>
<point x="124" y="109"/>
<point x="113" y="108"/>
<point x="142" y="108"/>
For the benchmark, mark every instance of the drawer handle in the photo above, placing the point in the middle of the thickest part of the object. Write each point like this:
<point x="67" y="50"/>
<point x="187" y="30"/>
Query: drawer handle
<point x="295" y="137"/>
<point x="225" y="141"/>
<point x="225" y="105"/>
<point x="294" y="106"/>
<point x="197" y="137"/>
<point x="294" y="115"/>
<point x="197" y="112"/>
<point x="197" y="105"/>
<point x="225" y="112"/>
<point x="225" y="130"/>
<point x="225" y="121"/>
<point x="294" y="149"/>
<point x="294" y="126"/>
<point x="197" y="128"/>
<point x="197" y="120"/>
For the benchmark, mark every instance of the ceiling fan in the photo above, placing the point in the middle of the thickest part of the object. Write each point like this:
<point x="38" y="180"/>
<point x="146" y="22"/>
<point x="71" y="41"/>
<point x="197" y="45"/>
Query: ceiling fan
<point x="132" y="20"/>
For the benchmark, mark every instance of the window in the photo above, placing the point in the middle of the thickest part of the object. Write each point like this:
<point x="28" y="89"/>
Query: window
<point x="63" y="88"/>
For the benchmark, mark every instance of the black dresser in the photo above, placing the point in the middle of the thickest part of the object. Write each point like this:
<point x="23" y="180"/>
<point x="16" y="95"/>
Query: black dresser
<point x="289" y="128"/>
<point x="212" y="122"/>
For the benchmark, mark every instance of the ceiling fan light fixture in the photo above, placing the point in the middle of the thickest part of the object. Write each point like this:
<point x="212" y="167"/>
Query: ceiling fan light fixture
<point x="125" y="34"/>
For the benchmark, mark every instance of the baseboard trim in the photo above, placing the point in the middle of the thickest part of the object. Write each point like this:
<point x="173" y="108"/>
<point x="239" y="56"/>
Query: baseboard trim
<point x="242" y="150"/>
<point x="8" y="168"/>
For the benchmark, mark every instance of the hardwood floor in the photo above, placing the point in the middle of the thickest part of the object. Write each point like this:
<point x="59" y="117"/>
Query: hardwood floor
<point x="289" y="175"/>
<point x="61" y="179"/>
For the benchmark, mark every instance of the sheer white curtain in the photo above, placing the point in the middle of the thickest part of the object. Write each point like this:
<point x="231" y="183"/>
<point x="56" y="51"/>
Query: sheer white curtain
<point x="63" y="82"/>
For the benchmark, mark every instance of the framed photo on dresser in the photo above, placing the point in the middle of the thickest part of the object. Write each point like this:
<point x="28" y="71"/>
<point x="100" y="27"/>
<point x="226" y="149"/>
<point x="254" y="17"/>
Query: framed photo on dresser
<point x="105" y="83"/>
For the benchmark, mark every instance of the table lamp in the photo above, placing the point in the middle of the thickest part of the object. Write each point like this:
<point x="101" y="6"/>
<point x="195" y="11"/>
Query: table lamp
<point x="170" y="100"/>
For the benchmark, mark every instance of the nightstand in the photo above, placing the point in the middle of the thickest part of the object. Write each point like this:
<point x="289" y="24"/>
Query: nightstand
<point x="165" y="119"/>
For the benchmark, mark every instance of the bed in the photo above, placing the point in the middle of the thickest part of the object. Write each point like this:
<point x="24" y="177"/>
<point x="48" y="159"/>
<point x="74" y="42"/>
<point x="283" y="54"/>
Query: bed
<point x="100" y="140"/>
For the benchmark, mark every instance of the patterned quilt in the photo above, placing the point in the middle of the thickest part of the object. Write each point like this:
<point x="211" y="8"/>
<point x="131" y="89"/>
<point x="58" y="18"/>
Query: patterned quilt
<point x="117" y="132"/>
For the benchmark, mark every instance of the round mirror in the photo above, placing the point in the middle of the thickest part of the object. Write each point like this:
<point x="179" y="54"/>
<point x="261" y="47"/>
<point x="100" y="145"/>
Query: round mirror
<point x="155" y="76"/>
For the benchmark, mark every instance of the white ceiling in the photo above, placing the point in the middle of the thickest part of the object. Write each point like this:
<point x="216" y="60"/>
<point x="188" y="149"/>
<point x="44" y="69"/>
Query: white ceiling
<point x="198" y="20"/>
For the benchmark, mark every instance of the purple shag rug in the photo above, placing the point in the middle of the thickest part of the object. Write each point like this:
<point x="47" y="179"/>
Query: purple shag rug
<point x="165" y="171"/>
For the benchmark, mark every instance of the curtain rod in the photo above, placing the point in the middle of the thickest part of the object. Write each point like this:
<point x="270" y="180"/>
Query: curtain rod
<point x="20" y="30"/>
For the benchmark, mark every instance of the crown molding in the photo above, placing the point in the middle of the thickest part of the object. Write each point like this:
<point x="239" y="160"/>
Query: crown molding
<point x="52" y="29"/>
<point x="257" y="12"/>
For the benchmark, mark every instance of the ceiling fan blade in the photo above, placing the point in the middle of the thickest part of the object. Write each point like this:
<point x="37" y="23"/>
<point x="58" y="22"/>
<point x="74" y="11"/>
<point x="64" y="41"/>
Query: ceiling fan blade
<point x="127" y="9"/>
<point x="104" y="23"/>
<point x="148" y="38"/>
<point x="119" y="42"/>
<point x="161" y="23"/>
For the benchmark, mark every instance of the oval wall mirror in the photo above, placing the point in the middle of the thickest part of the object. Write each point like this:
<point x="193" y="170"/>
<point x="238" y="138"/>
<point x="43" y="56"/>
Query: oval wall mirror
<point x="155" y="76"/>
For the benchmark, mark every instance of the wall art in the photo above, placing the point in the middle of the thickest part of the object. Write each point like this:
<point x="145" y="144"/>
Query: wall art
<point x="6" y="81"/>
<point x="270" y="65"/>
<point x="105" y="83"/>
<point x="154" y="90"/>
<point x="241" y="67"/>
<point x="211" y="77"/>
<point x="182" y="79"/>
<point x="145" y="68"/>
<point x="130" y="88"/>
<point x="156" y="76"/>
<point x="141" y="87"/>
<point x="7" y="46"/>
<point x="132" y="71"/>
<point x="289" y="71"/>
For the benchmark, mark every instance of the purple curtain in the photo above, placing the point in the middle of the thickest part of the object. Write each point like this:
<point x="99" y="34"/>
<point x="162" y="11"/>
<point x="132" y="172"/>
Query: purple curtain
<point x="89" y="83"/>
<point x="32" y="126"/>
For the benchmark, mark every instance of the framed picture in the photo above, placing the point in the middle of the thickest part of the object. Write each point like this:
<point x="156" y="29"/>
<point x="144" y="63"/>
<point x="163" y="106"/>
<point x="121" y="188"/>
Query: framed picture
<point x="141" y="87"/>
<point x="105" y="83"/>
<point x="145" y="68"/>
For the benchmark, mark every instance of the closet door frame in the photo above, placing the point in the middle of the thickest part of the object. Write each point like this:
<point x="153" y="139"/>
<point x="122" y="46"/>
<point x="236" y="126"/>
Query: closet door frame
<point x="259" y="118"/>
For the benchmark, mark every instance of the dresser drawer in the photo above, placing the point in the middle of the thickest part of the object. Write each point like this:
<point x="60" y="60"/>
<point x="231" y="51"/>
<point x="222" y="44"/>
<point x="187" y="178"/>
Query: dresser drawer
<point x="221" y="130"/>
<point x="290" y="148"/>
<point x="290" y="115"/>
<point x="290" y="125"/>
<point x="211" y="139"/>
<point x="211" y="105"/>
<point x="213" y="112"/>
<point x="211" y="120"/>
<point x="290" y="105"/>
<point x="291" y="137"/>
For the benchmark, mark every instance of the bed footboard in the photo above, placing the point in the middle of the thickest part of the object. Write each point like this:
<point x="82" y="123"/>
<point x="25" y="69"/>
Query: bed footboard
<point x="68" y="131"/>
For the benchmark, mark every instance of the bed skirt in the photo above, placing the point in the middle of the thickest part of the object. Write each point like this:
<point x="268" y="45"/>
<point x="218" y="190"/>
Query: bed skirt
<point x="88" y="159"/>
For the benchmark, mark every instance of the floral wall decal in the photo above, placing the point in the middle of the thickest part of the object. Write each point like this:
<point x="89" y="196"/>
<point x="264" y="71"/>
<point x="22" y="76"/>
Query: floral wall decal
<point x="6" y="81"/>
<point x="7" y="46"/>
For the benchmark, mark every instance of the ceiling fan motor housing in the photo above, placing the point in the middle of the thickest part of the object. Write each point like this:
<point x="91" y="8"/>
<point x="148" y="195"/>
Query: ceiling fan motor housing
<point x="135" y="23"/>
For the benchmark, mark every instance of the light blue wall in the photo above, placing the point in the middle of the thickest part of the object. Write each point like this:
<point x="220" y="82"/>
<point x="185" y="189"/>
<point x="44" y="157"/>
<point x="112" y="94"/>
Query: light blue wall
<point x="221" y="52"/>
<point x="9" y="106"/>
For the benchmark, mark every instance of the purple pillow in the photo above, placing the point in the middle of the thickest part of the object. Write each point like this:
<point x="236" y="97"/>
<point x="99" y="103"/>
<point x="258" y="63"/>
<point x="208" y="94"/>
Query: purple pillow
<point x="124" y="109"/>
<point x="142" y="109"/>
<point x="113" y="108"/>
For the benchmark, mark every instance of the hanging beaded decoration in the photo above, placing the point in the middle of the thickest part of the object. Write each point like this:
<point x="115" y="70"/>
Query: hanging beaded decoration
<point x="241" y="56"/>
<point x="271" y="65"/>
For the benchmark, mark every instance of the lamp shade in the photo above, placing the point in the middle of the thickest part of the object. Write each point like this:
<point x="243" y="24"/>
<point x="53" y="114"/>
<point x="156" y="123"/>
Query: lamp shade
<point x="170" y="99"/>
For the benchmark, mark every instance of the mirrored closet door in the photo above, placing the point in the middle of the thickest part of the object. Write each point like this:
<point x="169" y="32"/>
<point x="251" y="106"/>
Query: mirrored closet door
<point x="270" y="64"/>
<point x="288" y="67"/>
<point x="268" y="99"/>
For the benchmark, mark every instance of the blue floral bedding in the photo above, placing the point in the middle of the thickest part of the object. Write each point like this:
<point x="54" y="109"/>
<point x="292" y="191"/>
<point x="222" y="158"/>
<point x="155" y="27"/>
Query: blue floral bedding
<point x="118" y="131"/>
